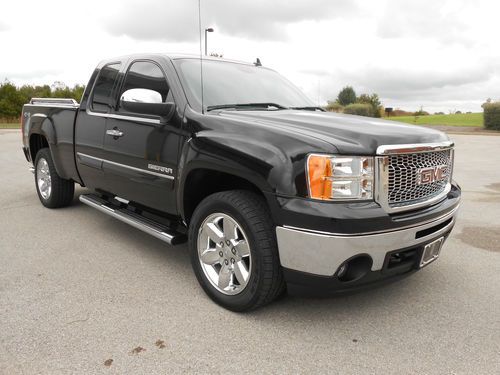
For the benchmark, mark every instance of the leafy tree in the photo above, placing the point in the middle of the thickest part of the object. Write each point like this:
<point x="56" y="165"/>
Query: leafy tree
<point x="346" y="96"/>
<point x="373" y="100"/>
<point x="10" y="100"/>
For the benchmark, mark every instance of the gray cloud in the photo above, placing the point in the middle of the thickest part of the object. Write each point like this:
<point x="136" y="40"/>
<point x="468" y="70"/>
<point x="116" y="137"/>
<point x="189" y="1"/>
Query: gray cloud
<point x="24" y="75"/>
<point x="440" y="21"/>
<point x="403" y="81"/>
<point x="315" y="71"/>
<point x="456" y="88"/>
<point x="177" y="21"/>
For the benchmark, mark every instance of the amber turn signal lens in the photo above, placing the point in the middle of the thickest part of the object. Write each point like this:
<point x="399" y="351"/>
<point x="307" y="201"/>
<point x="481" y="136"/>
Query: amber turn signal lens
<point x="319" y="169"/>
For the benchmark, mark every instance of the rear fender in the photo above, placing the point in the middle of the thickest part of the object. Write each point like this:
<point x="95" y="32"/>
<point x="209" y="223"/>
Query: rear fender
<point x="42" y="124"/>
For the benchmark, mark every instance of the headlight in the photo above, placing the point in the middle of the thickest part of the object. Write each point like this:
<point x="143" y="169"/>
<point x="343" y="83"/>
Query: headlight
<point x="338" y="177"/>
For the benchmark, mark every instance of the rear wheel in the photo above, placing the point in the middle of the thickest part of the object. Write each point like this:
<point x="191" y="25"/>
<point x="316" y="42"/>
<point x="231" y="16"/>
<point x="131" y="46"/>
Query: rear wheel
<point x="52" y="190"/>
<point x="233" y="250"/>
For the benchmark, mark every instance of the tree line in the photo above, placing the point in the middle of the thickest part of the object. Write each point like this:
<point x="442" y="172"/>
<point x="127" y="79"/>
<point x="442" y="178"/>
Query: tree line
<point x="363" y="105"/>
<point x="13" y="97"/>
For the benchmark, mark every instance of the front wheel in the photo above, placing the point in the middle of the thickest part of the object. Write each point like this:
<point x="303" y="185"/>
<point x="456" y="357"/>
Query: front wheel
<point x="234" y="252"/>
<point x="52" y="190"/>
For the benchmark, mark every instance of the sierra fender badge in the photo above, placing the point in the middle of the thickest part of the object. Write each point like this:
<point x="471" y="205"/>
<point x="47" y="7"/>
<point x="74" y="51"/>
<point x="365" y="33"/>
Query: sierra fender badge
<point x="159" y="168"/>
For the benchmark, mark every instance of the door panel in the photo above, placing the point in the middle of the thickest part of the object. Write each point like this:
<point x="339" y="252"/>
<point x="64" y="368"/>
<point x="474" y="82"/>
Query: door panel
<point x="141" y="165"/>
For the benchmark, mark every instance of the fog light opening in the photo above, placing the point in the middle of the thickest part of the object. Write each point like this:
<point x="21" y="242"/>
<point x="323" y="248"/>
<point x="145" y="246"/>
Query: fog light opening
<point x="342" y="270"/>
<point x="354" y="268"/>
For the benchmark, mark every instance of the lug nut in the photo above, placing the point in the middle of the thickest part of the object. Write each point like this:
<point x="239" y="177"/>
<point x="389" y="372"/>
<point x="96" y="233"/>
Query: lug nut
<point x="226" y="262"/>
<point x="233" y="250"/>
<point x="222" y="244"/>
<point x="232" y="260"/>
<point x="221" y="254"/>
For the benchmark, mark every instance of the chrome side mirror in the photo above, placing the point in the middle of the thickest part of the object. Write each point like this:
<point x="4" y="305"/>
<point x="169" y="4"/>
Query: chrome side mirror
<point x="147" y="102"/>
<point x="141" y="96"/>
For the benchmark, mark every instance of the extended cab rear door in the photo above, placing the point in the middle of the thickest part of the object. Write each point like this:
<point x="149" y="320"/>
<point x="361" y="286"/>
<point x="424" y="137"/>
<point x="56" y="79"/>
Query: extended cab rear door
<point x="141" y="150"/>
<point x="91" y="125"/>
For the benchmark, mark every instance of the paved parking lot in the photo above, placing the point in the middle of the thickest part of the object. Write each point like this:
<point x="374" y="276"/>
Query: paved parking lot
<point x="83" y="293"/>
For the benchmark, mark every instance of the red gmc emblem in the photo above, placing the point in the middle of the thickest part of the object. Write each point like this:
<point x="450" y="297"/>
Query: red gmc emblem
<point x="431" y="174"/>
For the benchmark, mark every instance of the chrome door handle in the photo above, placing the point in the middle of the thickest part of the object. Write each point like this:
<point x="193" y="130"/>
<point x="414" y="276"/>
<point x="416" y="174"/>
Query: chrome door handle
<point x="114" y="132"/>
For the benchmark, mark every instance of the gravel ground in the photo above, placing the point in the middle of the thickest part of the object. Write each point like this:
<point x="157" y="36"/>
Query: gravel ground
<point x="83" y="293"/>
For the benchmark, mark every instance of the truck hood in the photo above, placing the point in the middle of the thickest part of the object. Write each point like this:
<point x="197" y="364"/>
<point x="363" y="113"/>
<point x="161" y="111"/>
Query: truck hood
<point x="349" y="134"/>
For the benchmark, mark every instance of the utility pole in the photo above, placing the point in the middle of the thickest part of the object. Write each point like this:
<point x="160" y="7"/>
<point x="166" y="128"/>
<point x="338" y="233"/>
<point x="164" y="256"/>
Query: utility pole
<point x="209" y="30"/>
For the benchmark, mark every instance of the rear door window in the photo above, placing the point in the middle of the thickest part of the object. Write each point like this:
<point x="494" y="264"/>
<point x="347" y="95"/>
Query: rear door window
<point x="102" y="100"/>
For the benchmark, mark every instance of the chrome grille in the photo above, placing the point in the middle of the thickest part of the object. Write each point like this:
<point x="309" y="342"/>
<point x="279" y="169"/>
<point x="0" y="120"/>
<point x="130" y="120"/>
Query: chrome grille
<point x="403" y="173"/>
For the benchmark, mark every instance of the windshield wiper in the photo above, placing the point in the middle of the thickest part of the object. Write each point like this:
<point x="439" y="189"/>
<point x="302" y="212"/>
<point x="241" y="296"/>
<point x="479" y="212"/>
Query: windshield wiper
<point x="312" y="108"/>
<point x="246" y="105"/>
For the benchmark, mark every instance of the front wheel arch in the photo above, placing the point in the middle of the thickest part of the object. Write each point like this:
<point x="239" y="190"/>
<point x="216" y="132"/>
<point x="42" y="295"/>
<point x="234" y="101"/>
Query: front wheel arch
<point x="202" y="182"/>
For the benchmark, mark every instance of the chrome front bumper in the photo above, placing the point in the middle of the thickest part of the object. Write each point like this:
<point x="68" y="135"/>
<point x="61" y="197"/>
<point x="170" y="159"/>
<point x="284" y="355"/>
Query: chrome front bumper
<point x="321" y="253"/>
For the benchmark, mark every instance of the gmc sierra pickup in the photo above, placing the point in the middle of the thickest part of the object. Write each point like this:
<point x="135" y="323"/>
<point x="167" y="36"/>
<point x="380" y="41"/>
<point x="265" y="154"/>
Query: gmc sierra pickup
<point x="270" y="192"/>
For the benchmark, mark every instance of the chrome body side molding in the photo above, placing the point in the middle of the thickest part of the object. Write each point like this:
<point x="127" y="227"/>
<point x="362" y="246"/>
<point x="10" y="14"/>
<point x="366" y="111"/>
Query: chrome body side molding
<point x="82" y="157"/>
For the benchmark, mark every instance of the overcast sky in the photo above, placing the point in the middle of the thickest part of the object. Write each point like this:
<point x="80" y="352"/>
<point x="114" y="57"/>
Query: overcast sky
<point x="443" y="55"/>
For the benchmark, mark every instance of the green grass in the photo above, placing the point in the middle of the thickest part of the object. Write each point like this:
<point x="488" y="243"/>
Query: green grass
<point x="9" y="125"/>
<point x="463" y="119"/>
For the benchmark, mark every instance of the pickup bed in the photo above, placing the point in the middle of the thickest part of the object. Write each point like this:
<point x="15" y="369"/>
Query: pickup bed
<point x="270" y="192"/>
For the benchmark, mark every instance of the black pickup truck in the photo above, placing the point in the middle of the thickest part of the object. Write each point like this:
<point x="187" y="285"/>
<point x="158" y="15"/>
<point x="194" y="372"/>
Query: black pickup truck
<point x="270" y="192"/>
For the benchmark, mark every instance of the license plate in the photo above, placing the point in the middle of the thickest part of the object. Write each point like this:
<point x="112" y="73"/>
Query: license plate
<point x="431" y="252"/>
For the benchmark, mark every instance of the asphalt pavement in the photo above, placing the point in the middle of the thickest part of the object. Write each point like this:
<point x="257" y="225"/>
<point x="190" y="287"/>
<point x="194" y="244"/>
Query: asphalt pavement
<point x="82" y="293"/>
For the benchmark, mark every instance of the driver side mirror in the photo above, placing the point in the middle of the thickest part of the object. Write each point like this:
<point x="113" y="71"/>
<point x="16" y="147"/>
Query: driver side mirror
<point x="147" y="102"/>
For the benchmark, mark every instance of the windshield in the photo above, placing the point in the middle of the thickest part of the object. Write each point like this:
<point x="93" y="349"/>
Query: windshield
<point x="227" y="83"/>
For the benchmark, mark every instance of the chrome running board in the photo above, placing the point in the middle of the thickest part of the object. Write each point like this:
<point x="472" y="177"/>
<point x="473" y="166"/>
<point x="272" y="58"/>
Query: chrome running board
<point x="147" y="225"/>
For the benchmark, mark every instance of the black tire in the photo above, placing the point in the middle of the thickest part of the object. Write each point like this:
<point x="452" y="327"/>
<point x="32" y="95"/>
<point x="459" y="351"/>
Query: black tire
<point x="62" y="191"/>
<point x="265" y="282"/>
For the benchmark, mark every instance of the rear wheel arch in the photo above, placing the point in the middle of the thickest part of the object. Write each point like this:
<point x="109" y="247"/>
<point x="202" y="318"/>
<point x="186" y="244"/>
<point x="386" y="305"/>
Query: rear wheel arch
<point x="42" y="136"/>
<point x="37" y="142"/>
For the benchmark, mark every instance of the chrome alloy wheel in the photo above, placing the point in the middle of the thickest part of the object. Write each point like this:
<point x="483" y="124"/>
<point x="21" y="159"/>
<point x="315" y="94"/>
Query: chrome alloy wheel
<point x="224" y="253"/>
<point x="43" y="179"/>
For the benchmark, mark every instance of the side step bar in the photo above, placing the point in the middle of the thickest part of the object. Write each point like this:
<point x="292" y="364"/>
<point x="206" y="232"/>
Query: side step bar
<point x="147" y="225"/>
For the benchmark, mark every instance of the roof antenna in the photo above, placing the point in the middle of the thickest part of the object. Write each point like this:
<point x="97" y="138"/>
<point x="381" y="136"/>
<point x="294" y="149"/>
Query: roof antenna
<point x="257" y="62"/>
<point x="201" y="57"/>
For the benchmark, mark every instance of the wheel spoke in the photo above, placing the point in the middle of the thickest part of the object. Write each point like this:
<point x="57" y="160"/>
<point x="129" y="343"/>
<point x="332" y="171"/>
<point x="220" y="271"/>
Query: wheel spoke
<point x="242" y="249"/>
<point x="229" y="229"/>
<point x="210" y="257"/>
<point x="241" y="272"/>
<point x="214" y="233"/>
<point x="224" y="277"/>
